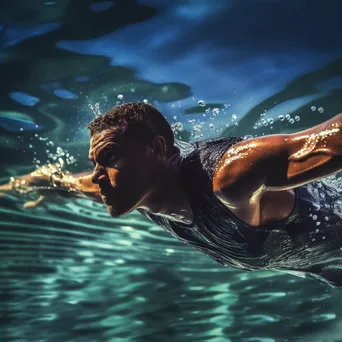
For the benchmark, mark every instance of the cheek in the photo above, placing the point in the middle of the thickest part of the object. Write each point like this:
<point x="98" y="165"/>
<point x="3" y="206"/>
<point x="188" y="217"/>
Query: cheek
<point x="112" y="175"/>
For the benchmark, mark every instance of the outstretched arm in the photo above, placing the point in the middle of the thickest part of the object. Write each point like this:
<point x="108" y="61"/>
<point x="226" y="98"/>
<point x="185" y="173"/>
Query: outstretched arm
<point x="278" y="162"/>
<point x="48" y="182"/>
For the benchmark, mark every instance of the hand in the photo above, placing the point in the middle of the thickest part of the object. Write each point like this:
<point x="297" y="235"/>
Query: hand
<point x="38" y="181"/>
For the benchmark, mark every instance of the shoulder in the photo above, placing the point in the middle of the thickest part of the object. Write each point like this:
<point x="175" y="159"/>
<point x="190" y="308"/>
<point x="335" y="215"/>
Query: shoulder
<point x="208" y="153"/>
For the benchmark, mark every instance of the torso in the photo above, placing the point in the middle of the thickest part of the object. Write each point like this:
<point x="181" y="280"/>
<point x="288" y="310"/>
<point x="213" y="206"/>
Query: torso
<point x="269" y="235"/>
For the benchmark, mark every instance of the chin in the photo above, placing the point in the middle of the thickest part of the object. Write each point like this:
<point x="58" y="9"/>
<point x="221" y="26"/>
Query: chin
<point x="115" y="213"/>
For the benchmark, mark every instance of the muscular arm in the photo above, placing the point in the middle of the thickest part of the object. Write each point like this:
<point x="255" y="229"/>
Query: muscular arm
<point x="278" y="162"/>
<point x="50" y="184"/>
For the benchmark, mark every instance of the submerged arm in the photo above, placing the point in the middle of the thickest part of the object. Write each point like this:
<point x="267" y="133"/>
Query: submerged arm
<point x="79" y="185"/>
<point x="50" y="183"/>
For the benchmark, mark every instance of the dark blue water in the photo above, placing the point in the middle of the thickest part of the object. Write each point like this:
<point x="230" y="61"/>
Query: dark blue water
<point x="70" y="272"/>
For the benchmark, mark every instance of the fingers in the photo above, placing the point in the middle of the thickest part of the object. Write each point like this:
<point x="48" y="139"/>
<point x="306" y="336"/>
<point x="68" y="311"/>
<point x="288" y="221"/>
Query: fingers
<point x="34" y="204"/>
<point x="5" y="189"/>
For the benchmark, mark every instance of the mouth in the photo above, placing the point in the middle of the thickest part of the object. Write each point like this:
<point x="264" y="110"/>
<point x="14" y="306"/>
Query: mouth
<point x="104" y="189"/>
<point x="106" y="200"/>
<point x="105" y="194"/>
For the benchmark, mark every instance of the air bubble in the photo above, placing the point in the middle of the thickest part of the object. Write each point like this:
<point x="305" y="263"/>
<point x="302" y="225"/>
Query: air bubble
<point x="216" y="111"/>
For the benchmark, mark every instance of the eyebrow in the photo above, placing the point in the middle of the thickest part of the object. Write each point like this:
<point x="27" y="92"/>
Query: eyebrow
<point x="103" y="150"/>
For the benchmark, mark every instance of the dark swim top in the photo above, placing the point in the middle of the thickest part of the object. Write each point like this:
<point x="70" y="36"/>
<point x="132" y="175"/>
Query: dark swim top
<point x="306" y="243"/>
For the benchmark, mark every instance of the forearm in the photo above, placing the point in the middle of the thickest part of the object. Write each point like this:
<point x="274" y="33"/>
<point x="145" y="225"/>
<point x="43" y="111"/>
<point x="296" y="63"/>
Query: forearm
<point x="50" y="181"/>
<point x="76" y="185"/>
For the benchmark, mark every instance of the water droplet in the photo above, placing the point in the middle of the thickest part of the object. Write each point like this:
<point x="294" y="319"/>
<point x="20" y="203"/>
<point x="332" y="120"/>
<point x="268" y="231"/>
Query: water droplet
<point x="313" y="108"/>
<point x="281" y="117"/>
<point x="320" y="109"/>
<point x="297" y="118"/>
<point x="234" y="117"/>
<point x="177" y="126"/>
<point x="216" y="111"/>
<point x="201" y="103"/>
<point x="120" y="97"/>
<point x="145" y="101"/>
<point x="291" y="121"/>
<point x="211" y="125"/>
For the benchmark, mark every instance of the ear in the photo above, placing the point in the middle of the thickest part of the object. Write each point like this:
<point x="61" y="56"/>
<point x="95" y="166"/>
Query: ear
<point x="159" y="146"/>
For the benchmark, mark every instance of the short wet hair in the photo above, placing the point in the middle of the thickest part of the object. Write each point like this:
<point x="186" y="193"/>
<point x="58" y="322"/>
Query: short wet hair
<point x="143" y="122"/>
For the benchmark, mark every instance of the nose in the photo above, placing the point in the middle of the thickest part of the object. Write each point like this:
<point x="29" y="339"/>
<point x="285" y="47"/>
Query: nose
<point x="98" y="173"/>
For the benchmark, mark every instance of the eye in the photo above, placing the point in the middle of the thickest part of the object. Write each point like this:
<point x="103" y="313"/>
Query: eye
<point x="111" y="158"/>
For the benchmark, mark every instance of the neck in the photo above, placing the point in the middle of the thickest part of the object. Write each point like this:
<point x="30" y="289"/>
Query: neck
<point x="168" y="197"/>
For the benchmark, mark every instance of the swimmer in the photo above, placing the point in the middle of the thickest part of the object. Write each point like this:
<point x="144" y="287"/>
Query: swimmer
<point x="255" y="204"/>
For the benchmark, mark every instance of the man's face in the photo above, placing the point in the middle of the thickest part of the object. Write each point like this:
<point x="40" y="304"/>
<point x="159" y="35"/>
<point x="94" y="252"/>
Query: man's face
<point x="122" y="169"/>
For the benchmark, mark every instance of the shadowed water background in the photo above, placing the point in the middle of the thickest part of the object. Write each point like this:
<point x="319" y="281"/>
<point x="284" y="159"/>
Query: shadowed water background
<point x="70" y="272"/>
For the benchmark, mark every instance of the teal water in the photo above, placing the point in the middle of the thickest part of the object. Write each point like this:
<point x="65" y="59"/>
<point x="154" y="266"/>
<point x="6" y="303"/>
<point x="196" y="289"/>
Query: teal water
<point x="70" y="272"/>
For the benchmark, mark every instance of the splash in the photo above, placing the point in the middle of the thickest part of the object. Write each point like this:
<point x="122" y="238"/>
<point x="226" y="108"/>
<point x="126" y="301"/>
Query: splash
<point x="95" y="109"/>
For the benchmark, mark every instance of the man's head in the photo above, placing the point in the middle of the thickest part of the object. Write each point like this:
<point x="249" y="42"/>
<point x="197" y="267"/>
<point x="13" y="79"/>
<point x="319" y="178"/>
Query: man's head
<point x="128" y="145"/>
